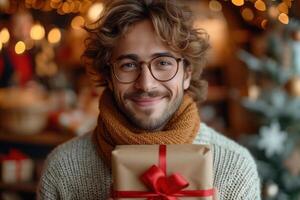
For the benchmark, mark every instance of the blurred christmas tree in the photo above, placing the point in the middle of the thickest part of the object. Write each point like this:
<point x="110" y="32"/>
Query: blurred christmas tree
<point x="275" y="96"/>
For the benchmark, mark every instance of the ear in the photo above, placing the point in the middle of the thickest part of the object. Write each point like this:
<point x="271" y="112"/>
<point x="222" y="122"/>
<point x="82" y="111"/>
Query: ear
<point x="187" y="77"/>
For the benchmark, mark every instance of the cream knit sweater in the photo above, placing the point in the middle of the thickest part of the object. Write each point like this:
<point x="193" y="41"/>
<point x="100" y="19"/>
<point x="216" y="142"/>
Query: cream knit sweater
<point x="75" y="171"/>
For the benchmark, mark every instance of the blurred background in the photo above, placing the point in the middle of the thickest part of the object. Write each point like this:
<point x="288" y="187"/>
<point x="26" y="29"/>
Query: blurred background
<point x="253" y="70"/>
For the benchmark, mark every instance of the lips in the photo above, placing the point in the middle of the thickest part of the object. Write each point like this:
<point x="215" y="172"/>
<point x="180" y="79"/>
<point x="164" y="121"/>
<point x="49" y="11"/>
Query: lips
<point x="146" y="101"/>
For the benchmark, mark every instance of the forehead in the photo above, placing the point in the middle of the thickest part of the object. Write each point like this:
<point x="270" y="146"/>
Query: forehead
<point x="140" y="39"/>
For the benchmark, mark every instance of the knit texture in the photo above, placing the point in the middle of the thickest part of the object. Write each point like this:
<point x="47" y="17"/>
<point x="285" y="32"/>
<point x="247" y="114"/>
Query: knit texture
<point x="114" y="129"/>
<point x="75" y="171"/>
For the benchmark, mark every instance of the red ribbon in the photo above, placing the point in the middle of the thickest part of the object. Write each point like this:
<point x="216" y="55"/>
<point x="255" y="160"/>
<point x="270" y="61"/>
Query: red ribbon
<point x="163" y="187"/>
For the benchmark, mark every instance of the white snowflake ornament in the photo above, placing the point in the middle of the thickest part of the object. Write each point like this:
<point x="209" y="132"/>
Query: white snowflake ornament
<point x="272" y="139"/>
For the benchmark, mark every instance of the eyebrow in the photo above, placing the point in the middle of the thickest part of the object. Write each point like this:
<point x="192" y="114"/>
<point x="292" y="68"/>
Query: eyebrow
<point x="136" y="57"/>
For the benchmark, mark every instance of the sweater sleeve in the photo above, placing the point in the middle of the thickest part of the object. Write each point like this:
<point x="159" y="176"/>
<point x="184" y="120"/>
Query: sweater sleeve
<point x="47" y="187"/>
<point x="245" y="180"/>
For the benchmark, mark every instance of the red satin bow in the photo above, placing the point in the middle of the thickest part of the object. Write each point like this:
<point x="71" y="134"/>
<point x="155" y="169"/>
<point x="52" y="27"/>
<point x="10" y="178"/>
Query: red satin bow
<point x="161" y="186"/>
<point x="166" y="187"/>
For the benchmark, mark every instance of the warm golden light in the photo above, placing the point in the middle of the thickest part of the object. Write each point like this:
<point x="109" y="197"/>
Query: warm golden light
<point x="54" y="35"/>
<point x="247" y="14"/>
<point x="1" y="46"/>
<point x="215" y="5"/>
<point x="260" y="5"/>
<point x="4" y="36"/>
<point x="77" y="22"/>
<point x="253" y="92"/>
<point x="283" y="18"/>
<point x="283" y="8"/>
<point x="95" y="11"/>
<point x="20" y="47"/>
<point x="66" y="7"/>
<point x="264" y="23"/>
<point x="37" y="32"/>
<point x="238" y="2"/>
<point x="55" y="4"/>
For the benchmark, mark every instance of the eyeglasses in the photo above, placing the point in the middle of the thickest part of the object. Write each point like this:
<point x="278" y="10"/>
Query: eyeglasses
<point x="162" y="68"/>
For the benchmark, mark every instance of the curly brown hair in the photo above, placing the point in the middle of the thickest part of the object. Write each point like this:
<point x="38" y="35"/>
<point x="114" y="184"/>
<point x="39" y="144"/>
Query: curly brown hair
<point x="173" y="24"/>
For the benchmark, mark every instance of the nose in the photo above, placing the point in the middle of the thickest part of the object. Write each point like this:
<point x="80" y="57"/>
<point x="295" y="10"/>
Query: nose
<point x="145" y="82"/>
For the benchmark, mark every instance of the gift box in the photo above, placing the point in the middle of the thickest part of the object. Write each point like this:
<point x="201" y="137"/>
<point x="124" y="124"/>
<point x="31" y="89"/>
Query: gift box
<point x="16" y="167"/>
<point x="162" y="172"/>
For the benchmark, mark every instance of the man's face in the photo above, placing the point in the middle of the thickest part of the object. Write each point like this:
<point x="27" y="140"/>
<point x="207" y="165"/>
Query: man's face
<point x="147" y="102"/>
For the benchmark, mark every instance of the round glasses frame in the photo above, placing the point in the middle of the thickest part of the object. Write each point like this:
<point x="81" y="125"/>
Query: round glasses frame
<point x="149" y="67"/>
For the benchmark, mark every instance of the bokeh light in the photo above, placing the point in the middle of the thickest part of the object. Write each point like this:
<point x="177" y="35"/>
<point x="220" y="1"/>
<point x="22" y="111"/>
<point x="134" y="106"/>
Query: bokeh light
<point x="4" y="35"/>
<point x="247" y="14"/>
<point x="20" y="47"/>
<point x="260" y="5"/>
<point x="238" y="2"/>
<point x="54" y="35"/>
<point x="283" y="18"/>
<point x="95" y="11"/>
<point x="37" y="32"/>
<point x="77" y="22"/>
<point x="215" y="5"/>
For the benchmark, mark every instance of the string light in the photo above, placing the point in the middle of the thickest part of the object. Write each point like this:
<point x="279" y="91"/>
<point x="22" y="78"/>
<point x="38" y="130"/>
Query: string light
<point x="37" y="32"/>
<point x="238" y="2"/>
<point x="54" y="35"/>
<point x="20" y="47"/>
<point x="215" y="6"/>
<point x="77" y="22"/>
<point x="55" y="4"/>
<point x="283" y="8"/>
<point x="95" y="11"/>
<point x="4" y="36"/>
<point x="253" y="92"/>
<point x="66" y="7"/>
<point x="247" y="14"/>
<point x="260" y="5"/>
<point x="264" y="24"/>
<point x="283" y="18"/>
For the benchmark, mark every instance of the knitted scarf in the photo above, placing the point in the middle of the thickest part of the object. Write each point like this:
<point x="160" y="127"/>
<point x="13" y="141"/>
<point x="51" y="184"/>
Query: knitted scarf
<point x="114" y="129"/>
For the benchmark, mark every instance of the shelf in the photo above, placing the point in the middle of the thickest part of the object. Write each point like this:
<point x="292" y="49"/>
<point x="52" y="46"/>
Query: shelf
<point x="46" y="138"/>
<point x="29" y="187"/>
<point x="216" y="93"/>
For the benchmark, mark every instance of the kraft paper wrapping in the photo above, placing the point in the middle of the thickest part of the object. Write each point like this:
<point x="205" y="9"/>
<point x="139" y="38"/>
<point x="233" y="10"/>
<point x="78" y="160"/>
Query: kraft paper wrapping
<point x="193" y="162"/>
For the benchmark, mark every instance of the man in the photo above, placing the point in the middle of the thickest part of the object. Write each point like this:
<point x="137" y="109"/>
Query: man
<point x="150" y="58"/>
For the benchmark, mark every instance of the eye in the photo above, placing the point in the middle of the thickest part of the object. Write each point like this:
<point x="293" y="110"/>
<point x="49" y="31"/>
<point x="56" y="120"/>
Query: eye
<point x="129" y="66"/>
<point x="163" y="62"/>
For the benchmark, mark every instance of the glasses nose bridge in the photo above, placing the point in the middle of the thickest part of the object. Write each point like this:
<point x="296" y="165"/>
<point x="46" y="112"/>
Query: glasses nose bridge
<point x="147" y="63"/>
<point x="148" y="66"/>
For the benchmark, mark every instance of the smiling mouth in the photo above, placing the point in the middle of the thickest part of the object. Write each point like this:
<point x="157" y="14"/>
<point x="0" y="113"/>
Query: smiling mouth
<point x="146" y="101"/>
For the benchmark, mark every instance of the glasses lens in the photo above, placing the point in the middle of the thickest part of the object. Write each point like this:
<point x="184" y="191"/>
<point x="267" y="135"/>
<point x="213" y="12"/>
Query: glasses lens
<point x="126" y="70"/>
<point x="164" y="68"/>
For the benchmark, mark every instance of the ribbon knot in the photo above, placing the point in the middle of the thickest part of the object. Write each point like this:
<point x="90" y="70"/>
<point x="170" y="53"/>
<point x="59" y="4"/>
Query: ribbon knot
<point x="165" y="186"/>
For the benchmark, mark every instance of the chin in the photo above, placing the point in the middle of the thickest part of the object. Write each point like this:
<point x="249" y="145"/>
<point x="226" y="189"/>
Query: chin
<point x="149" y="123"/>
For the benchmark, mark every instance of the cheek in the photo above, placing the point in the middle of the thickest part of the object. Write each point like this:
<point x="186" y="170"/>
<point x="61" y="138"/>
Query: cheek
<point x="175" y="86"/>
<point x="119" y="90"/>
